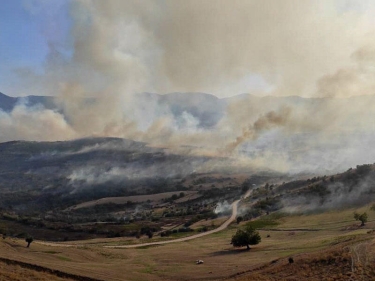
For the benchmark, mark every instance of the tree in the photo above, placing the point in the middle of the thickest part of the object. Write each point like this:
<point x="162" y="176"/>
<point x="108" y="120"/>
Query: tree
<point x="361" y="217"/>
<point x="149" y="234"/>
<point x="239" y="219"/>
<point x="245" y="237"/>
<point x="29" y="239"/>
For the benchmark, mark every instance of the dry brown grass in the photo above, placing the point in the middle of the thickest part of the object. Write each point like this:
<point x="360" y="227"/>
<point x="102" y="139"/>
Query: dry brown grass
<point x="17" y="273"/>
<point x="221" y="260"/>
<point x="135" y="199"/>
<point x="209" y="222"/>
<point x="337" y="263"/>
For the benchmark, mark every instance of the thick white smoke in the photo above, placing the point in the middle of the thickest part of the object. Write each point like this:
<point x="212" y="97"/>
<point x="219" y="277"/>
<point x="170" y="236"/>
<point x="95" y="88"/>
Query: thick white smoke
<point x="121" y="49"/>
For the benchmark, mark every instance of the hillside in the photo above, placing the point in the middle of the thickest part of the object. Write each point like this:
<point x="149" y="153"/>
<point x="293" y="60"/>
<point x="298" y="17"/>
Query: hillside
<point x="58" y="186"/>
<point x="87" y="194"/>
<point x="76" y="171"/>
<point x="59" y="190"/>
<point x="354" y="187"/>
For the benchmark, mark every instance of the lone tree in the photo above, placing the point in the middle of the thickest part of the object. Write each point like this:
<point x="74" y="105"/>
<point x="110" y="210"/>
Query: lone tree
<point x="29" y="239"/>
<point x="361" y="217"/>
<point x="245" y="237"/>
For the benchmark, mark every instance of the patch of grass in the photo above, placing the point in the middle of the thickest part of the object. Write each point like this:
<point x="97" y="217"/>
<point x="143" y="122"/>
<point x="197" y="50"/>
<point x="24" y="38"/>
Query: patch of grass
<point x="276" y="216"/>
<point x="64" y="258"/>
<point x="149" y="246"/>
<point x="131" y="227"/>
<point x="263" y="223"/>
<point x="148" y="270"/>
<point x="51" y="252"/>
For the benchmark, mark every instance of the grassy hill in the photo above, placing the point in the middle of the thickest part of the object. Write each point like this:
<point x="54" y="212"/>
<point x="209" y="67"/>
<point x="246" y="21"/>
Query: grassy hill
<point x="330" y="244"/>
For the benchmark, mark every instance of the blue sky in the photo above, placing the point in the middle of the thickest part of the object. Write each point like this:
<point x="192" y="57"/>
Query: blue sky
<point x="26" y="30"/>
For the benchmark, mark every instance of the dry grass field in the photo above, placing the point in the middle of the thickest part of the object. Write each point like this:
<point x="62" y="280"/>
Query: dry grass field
<point x="311" y="240"/>
<point x="9" y="272"/>
<point x="341" y="262"/>
<point x="136" y="199"/>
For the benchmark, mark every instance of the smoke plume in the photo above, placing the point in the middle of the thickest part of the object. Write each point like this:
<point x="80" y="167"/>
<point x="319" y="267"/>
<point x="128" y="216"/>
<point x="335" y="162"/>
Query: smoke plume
<point x="118" y="51"/>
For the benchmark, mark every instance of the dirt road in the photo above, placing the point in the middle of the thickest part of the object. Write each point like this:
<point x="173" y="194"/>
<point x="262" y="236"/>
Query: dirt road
<point x="221" y="227"/>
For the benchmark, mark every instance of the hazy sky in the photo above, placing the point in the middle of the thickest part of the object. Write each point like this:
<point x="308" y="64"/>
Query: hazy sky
<point x="216" y="46"/>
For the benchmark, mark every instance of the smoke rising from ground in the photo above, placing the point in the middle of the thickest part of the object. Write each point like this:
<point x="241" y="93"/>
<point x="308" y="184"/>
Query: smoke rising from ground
<point x="121" y="49"/>
<point x="336" y="195"/>
<point x="223" y="208"/>
<point x="265" y="122"/>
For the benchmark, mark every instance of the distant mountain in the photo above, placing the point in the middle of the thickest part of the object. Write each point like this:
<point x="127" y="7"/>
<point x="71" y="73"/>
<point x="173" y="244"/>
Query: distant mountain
<point x="208" y="109"/>
<point x="205" y="111"/>
<point x="7" y="103"/>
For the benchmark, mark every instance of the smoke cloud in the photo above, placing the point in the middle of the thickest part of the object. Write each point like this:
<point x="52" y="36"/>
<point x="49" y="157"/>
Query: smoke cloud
<point x="338" y="195"/>
<point x="265" y="122"/>
<point x="223" y="208"/>
<point x="34" y="123"/>
<point x="118" y="51"/>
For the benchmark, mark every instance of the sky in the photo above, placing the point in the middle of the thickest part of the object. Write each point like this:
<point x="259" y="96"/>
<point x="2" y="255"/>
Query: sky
<point x="26" y="30"/>
<point x="222" y="48"/>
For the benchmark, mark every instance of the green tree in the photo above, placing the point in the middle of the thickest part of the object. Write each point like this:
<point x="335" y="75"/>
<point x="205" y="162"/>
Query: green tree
<point x="239" y="219"/>
<point x="361" y="217"/>
<point x="245" y="237"/>
<point x="29" y="239"/>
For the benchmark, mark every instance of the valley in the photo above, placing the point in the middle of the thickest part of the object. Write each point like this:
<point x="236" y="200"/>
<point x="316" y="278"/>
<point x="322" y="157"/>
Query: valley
<point x="156" y="228"/>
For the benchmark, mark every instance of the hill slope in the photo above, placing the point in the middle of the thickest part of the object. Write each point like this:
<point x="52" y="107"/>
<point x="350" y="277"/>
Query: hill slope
<point x="42" y="174"/>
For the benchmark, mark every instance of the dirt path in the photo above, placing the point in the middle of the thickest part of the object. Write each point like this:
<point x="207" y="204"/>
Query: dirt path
<point x="220" y="228"/>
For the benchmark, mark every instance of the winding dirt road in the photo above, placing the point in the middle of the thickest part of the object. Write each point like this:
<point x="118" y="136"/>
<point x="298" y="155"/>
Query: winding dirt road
<point x="221" y="227"/>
